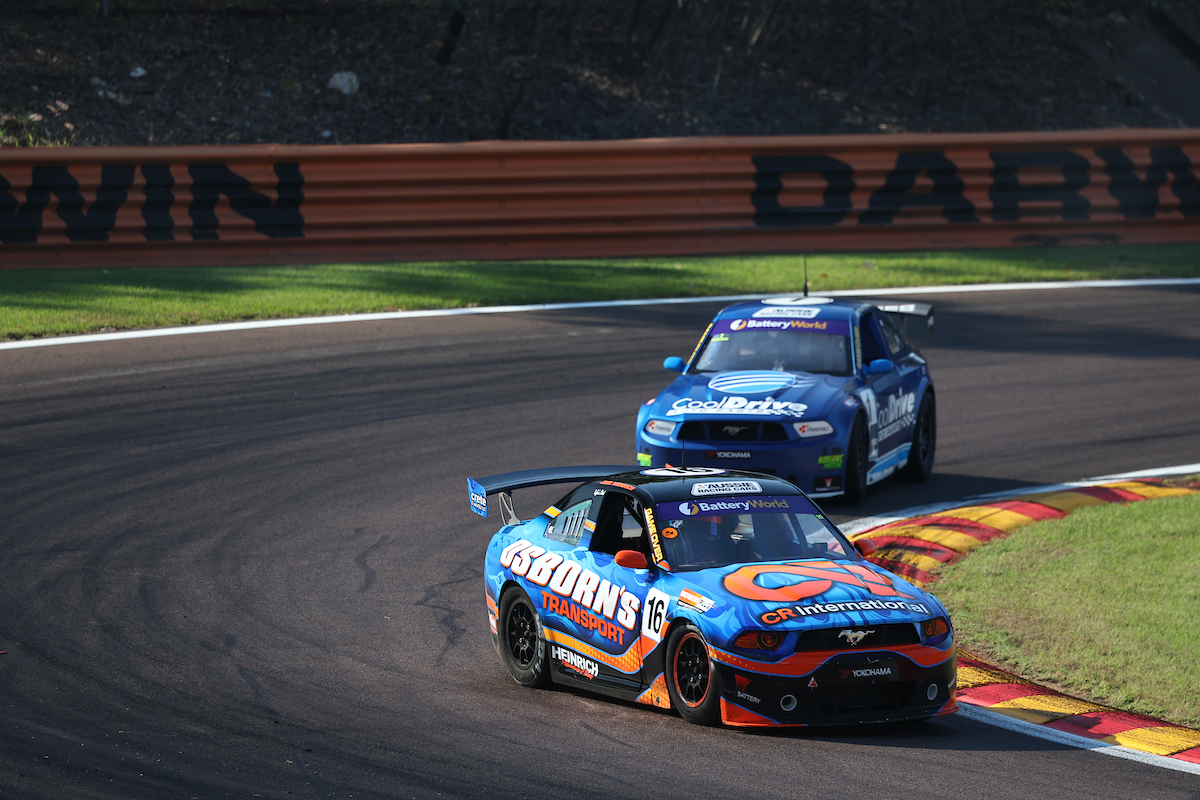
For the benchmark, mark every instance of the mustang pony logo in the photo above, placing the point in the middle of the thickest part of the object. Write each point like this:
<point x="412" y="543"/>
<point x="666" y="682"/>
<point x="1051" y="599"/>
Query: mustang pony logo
<point x="853" y="637"/>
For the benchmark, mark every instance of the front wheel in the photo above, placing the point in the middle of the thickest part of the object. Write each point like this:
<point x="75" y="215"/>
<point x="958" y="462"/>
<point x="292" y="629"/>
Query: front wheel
<point x="857" y="454"/>
<point x="692" y="679"/>
<point x="522" y="645"/>
<point x="924" y="442"/>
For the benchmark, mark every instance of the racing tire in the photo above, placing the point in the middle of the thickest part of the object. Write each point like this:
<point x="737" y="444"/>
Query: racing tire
<point x="693" y="681"/>
<point x="920" y="457"/>
<point x="522" y="644"/>
<point x="857" y="453"/>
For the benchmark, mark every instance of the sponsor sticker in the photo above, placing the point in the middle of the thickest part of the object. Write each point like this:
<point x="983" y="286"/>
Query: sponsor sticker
<point x="726" y="454"/>
<point x="695" y="600"/>
<point x="670" y="533"/>
<point x="827" y="484"/>
<point x="734" y="505"/>
<point x="839" y="327"/>
<point x="644" y="459"/>
<point x="709" y="488"/>
<point x="743" y="683"/>
<point x="754" y="382"/>
<point x="734" y="405"/>
<point x="478" y="497"/>
<point x="807" y="430"/>
<point x="830" y="461"/>
<point x="787" y="312"/>
<point x="868" y="672"/>
<point x="581" y="665"/>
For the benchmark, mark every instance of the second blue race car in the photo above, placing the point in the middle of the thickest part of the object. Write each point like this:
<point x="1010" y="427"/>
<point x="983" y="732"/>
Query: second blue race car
<point x="825" y="393"/>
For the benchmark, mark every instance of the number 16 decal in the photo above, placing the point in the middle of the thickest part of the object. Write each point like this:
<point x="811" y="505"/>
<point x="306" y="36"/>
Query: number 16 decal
<point x="654" y="615"/>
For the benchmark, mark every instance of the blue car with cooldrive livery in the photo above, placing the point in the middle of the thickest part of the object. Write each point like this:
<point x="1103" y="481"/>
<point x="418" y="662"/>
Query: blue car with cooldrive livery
<point x="825" y="393"/>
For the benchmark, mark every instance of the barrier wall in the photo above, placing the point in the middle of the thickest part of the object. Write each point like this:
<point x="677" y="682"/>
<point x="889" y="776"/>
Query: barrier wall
<point x="156" y="206"/>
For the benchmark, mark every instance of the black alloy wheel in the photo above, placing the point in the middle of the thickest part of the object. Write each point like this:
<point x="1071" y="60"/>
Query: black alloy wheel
<point x="693" y="681"/>
<point x="522" y="645"/>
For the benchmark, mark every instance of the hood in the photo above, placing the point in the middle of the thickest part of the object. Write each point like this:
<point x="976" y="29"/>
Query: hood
<point x="798" y="595"/>
<point x="750" y="394"/>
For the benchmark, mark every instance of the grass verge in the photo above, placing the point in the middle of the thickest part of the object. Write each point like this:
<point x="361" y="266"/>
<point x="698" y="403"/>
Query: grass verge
<point x="1101" y="603"/>
<point x="35" y="303"/>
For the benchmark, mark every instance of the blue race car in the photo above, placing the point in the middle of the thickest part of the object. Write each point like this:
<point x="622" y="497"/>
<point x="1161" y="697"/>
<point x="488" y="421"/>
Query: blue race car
<point x="726" y="595"/>
<point x="825" y="393"/>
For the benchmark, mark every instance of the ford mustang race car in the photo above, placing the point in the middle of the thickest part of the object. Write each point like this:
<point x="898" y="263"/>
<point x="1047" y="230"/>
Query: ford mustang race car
<point x="726" y="595"/>
<point x="825" y="393"/>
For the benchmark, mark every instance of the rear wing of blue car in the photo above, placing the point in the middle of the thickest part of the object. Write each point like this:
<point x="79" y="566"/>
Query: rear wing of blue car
<point x="906" y="310"/>
<point x="505" y="482"/>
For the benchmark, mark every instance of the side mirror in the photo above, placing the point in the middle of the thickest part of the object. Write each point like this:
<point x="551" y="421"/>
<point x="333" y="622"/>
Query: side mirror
<point x="865" y="547"/>
<point x="632" y="559"/>
<point x="880" y="366"/>
<point x="674" y="363"/>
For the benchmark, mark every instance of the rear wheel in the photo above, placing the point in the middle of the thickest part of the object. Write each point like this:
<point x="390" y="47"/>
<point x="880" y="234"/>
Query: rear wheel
<point x="522" y="645"/>
<point x="692" y="679"/>
<point x="920" y="457"/>
<point x="857" y="454"/>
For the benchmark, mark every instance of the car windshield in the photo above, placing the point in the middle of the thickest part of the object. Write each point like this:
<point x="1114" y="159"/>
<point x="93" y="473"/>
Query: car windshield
<point x="692" y="541"/>
<point x="787" y="350"/>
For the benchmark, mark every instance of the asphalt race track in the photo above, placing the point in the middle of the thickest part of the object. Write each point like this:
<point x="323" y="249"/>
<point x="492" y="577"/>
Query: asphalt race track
<point x="243" y="565"/>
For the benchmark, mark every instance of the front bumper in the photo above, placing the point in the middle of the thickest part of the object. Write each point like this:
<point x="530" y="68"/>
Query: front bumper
<point x="847" y="689"/>
<point x="817" y="466"/>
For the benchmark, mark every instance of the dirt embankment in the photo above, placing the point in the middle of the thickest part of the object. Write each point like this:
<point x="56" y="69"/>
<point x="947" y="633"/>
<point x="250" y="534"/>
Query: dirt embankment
<point x="198" y="72"/>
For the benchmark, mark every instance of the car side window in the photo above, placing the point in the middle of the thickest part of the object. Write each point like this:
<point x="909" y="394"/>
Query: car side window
<point x="870" y="339"/>
<point x="568" y="527"/>
<point x="620" y="526"/>
<point x="895" y="342"/>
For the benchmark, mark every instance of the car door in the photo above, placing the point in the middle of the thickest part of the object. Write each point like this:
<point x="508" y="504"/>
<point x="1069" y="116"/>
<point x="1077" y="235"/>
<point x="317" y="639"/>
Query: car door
<point x="592" y="605"/>
<point x="885" y="399"/>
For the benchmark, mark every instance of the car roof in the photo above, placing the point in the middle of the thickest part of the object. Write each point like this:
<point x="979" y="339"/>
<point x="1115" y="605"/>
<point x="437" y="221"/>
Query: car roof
<point x="788" y="305"/>
<point x="666" y="485"/>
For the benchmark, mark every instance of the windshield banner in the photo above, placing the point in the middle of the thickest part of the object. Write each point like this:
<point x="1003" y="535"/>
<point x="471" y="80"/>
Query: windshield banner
<point x="715" y="506"/>
<point x="838" y="327"/>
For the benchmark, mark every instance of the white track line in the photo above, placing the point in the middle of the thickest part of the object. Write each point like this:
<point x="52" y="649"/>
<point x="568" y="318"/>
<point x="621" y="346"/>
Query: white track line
<point x="977" y="714"/>
<point x="451" y="312"/>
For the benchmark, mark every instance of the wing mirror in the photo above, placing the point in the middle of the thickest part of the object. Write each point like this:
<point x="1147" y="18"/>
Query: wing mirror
<point x="632" y="559"/>
<point x="865" y="547"/>
<point x="880" y="366"/>
<point x="674" y="363"/>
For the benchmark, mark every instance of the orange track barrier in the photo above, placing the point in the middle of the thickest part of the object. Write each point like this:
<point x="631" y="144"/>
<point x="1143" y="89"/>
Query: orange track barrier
<point x="153" y="206"/>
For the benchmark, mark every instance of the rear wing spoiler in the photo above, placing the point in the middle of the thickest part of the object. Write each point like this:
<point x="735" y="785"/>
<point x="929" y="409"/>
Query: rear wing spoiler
<point x="906" y="310"/>
<point x="505" y="482"/>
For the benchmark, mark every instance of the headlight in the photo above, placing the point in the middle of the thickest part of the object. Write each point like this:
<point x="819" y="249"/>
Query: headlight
<point x="935" y="631"/>
<point x="659" y="427"/>
<point x="759" y="640"/>
<point x="814" y="428"/>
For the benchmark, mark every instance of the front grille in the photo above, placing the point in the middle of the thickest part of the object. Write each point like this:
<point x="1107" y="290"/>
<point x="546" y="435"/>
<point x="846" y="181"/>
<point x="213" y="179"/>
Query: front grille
<point x="862" y="698"/>
<point x="879" y="636"/>
<point x="731" y="431"/>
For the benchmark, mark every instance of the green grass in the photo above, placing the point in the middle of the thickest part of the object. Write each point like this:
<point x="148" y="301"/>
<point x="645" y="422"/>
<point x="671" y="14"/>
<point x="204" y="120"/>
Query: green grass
<point x="36" y="303"/>
<point x="1102" y="603"/>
